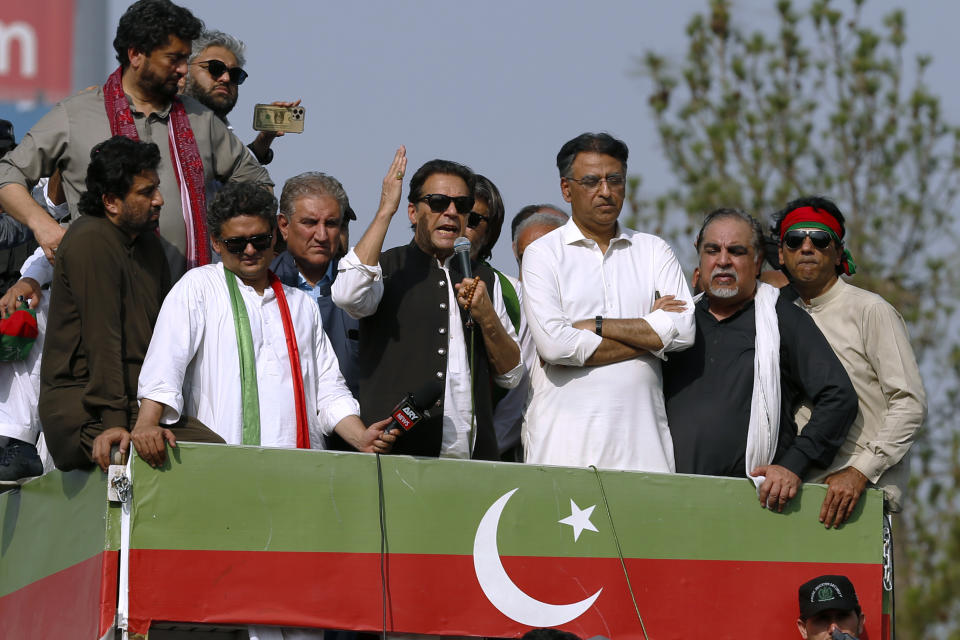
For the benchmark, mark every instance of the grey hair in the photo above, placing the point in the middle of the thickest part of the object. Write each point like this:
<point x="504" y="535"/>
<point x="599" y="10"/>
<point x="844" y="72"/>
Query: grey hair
<point x="213" y="38"/>
<point x="314" y="183"/>
<point x="722" y="213"/>
<point x="548" y="217"/>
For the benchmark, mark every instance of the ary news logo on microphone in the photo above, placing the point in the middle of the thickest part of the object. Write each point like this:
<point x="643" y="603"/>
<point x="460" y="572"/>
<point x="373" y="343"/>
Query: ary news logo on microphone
<point x="405" y="415"/>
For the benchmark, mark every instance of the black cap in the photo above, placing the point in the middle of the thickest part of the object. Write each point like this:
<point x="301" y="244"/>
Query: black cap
<point x="7" y="140"/>
<point x="827" y="592"/>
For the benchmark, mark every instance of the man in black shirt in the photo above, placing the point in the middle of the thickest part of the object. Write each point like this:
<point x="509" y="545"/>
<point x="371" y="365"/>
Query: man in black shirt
<point x="710" y="388"/>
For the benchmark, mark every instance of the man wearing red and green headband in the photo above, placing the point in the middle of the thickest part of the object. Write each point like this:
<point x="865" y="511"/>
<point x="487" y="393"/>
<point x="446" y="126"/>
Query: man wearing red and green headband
<point x="870" y="339"/>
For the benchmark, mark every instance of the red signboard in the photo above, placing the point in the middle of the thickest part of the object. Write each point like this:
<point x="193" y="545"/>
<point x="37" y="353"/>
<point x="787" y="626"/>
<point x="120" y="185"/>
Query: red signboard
<point x="36" y="49"/>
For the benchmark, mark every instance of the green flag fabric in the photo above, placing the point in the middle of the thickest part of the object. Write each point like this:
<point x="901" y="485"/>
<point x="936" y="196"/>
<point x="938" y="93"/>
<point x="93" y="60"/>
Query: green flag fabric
<point x="249" y="392"/>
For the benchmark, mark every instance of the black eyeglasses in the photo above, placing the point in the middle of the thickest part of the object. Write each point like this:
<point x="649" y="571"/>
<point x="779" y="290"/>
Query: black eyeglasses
<point x="216" y="68"/>
<point x="239" y="244"/>
<point x="439" y="203"/>
<point x="614" y="180"/>
<point x="794" y="239"/>
<point x="474" y="219"/>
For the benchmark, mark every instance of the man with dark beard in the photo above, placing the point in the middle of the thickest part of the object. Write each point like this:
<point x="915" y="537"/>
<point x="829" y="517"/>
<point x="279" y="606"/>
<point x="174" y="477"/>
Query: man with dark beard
<point x="214" y="75"/>
<point x="139" y="100"/>
<point x="110" y="279"/>
<point x="730" y="398"/>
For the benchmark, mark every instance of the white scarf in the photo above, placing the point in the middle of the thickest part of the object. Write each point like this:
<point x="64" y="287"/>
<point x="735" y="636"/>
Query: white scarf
<point x="765" y="405"/>
<point x="764" y="427"/>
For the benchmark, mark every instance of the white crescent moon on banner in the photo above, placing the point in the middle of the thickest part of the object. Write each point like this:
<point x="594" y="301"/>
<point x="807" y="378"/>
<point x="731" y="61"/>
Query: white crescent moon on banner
<point x="506" y="596"/>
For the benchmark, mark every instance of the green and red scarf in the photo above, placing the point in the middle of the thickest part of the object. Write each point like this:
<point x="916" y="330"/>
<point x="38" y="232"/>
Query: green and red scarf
<point x="249" y="391"/>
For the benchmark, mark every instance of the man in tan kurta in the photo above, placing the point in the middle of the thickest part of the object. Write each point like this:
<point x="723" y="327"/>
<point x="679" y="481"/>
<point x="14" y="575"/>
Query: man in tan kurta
<point x="870" y="339"/>
<point x="64" y="137"/>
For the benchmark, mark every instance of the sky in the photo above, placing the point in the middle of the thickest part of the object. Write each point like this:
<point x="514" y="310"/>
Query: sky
<point x="496" y="85"/>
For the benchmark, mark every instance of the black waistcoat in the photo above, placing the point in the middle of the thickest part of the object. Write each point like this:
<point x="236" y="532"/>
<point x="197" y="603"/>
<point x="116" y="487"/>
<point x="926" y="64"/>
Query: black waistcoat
<point x="404" y="344"/>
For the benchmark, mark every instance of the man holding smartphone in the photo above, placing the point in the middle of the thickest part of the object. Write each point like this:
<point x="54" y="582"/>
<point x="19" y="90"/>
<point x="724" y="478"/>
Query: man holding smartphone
<point x="214" y="75"/>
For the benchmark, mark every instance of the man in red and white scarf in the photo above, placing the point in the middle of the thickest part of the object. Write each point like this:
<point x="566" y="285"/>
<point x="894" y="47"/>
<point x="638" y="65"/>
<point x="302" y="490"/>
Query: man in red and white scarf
<point x="139" y="100"/>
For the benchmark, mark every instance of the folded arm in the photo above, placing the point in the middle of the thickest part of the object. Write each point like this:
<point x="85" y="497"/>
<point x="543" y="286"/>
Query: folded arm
<point x="627" y="338"/>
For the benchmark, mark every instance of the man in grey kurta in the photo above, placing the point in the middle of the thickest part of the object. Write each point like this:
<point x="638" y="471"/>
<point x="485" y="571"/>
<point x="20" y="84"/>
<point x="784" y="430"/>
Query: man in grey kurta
<point x="64" y="137"/>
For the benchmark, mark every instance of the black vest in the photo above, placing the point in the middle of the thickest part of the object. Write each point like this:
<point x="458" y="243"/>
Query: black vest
<point x="404" y="344"/>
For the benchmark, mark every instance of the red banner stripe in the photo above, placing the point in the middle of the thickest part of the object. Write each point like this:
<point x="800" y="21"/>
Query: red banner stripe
<point x="77" y="602"/>
<point x="439" y="594"/>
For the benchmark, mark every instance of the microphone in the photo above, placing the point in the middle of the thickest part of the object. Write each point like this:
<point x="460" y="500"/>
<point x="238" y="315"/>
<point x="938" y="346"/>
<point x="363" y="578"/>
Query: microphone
<point x="461" y="248"/>
<point x="415" y="406"/>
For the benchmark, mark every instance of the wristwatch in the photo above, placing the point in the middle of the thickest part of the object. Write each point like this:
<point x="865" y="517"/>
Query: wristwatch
<point x="600" y="326"/>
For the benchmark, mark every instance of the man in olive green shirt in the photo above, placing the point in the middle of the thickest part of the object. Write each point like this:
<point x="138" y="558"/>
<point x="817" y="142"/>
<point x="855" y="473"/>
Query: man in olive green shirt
<point x="152" y="63"/>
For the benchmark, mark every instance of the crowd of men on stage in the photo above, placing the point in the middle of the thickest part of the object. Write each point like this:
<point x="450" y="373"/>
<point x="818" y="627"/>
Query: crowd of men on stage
<point x="167" y="312"/>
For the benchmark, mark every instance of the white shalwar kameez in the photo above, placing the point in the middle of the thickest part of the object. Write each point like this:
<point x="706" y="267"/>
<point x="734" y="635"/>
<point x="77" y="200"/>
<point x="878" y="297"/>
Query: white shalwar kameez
<point x="193" y="367"/>
<point x="611" y="416"/>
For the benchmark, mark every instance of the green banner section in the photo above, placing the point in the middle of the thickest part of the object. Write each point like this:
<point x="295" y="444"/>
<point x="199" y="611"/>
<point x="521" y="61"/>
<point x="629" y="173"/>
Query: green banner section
<point x="52" y="523"/>
<point x="213" y="497"/>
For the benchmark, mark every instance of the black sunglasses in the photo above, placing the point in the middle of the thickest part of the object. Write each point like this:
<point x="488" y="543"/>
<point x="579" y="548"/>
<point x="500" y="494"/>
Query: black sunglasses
<point x="794" y="239"/>
<point x="439" y="203"/>
<point x="216" y="68"/>
<point x="474" y="219"/>
<point x="239" y="244"/>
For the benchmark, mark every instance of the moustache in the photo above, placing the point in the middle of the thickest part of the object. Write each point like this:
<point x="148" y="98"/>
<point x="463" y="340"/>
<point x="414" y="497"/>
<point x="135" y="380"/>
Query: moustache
<point x="722" y="271"/>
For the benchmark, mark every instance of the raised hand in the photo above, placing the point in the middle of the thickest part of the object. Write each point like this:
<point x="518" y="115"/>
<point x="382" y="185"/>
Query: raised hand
<point x="393" y="183"/>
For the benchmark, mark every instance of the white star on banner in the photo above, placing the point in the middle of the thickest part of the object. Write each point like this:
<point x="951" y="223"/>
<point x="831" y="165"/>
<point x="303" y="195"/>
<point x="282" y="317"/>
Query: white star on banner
<point x="579" y="519"/>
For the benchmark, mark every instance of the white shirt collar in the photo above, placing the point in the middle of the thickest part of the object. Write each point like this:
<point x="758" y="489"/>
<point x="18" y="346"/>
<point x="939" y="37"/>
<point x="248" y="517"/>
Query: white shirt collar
<point x="572" y="234"/>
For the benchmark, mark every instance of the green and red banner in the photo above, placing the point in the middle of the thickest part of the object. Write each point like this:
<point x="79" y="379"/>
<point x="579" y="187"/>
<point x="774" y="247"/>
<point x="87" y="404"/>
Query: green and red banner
<point x="59" y="541"/>
<point x="243" y="535"/>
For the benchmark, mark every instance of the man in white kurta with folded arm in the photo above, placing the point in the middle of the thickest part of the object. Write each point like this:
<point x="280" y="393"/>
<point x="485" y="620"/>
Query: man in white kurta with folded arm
<point x="605" y="305"/>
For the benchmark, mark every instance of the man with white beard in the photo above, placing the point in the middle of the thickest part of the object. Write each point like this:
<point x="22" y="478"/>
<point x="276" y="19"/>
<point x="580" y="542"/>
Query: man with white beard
<point x="730" y="398"/>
